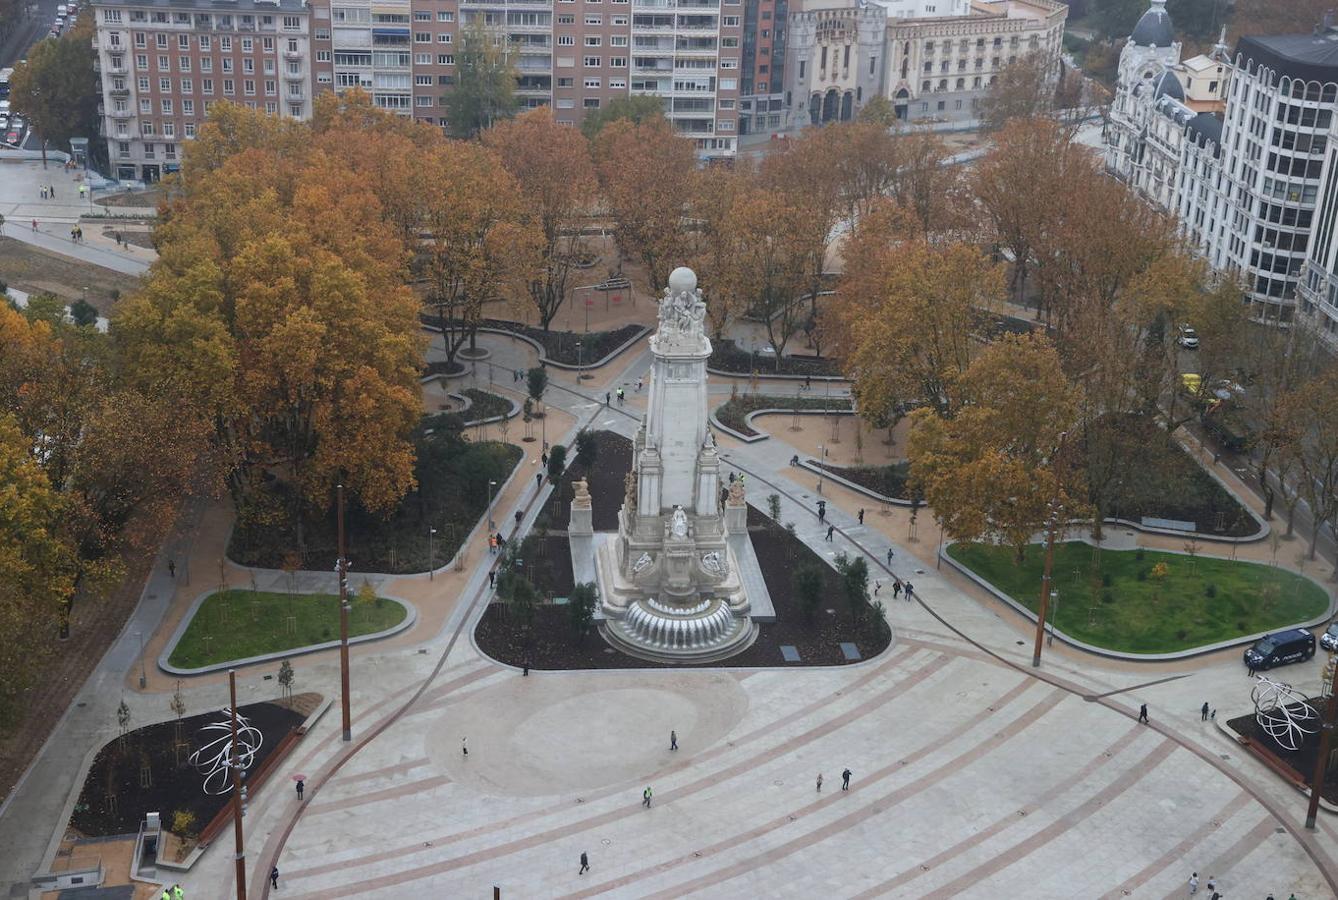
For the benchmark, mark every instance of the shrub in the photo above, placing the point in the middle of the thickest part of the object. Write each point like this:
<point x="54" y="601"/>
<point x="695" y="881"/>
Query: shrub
<point x="587" y="448"/>
<point x="1107" y="597"/>
<point x="1106" y="580"/>
<point x="808" y="588"/>
<point x="183" y="823"/>
<point x="773" y="507"/>
<point x="557" y="462"/>
<point x="83" y="312"/>
<point x="1142" y="575"/>
<point x="1210" y="591"/>
<point x="581" y="608"/>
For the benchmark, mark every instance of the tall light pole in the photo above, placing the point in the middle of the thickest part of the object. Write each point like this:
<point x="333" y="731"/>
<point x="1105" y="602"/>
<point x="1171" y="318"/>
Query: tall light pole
<point x="580" y="361"/>
<point x="143" y="675"/>
<point x="491" y="524"/>
<point x="431" y="565"/>
<point x="1325" y="742"/>
<point x="234" y="763"/>
<point x="822" y="467"/>
<point x="341" y="568"/>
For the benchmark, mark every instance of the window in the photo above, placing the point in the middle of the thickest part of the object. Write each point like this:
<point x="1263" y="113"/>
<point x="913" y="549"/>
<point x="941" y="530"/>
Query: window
<point x="164" y="64"/>
<point x="205" y="42"/>
<point x="169" y="130"/>
<point x="249" y="66"/>
<point x="292" y="23"/>
<point x="566" y="19"/>
<point x="227" y="64"/>
<point x="445" y="59"/>
<point x="443" y="38"/>
<point x="592" y="84"/>
<point x="141" y="61"/>
<point x="617" y="84"/>
<point x="165" y="85"/>
<point x="183" y="63"/>
<point x="730" y="21"/>
<point x="422" y="15"/>
<point x="422" y="101"/>
<point x="160" y="40"/>
<point x="188" y="107"/>
<point x="229" y="87"/>
<point x="146" y="128"/>
<point x="190" y="129"/>
<point x="187" y="86"/>
<point x="295" y="109"/>
<point x="422" y="80"/>
<point x="267" y="44"/>
<point x="593" y="40"/>
<point x="618" y="40"/>
<point x="225" y="44"/>
<point x="622" y="20"/>
<point x="145" y="106"/>
<point x="445" y="16"/>
<point x="566" y="82"/>
<point x="321" y="56"/>
<point x="422" y="59"/>
<point x="249" y="87"/>
<point x="618" y="62"/>
<point x="566" y="40"/>
<point x="207" y="85"/>
<point x="112" y="16"/>
<point x="248" y="45"/>
<point x="592" y="62"/>
<point x="422" y="37"/>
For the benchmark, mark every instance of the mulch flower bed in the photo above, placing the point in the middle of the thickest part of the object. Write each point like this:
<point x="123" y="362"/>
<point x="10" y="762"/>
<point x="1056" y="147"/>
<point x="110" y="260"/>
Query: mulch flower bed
<point x="484" y="405"/>
<point x="890" y="481"/>
<point x="442" y="367"/>
<point x="733" y="413"/>
<point x="727" y="356"/>
<point x="560" y="346"/>
<point x="1300" y="762"/>
<point x="551" y="642"/>
<point x="121" y="769"/>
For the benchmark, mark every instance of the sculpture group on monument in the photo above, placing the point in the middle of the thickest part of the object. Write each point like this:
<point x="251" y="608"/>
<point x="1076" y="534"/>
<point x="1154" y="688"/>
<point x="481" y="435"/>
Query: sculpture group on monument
<point x="669" y="578"/>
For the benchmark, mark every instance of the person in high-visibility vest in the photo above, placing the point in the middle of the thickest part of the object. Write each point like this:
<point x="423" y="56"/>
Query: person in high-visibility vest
<point x="177" y="892"/>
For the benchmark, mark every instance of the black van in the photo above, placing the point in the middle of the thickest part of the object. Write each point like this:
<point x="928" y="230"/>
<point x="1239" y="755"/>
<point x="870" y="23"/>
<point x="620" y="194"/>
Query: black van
<point x="1280" y="648"/>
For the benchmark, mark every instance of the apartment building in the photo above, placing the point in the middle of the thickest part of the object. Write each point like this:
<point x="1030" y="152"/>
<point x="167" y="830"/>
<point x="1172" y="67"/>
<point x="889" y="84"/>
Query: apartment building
<point x="935" y="60"/>
<point x="163" y="64"/>
<point x="1234" y="144"/>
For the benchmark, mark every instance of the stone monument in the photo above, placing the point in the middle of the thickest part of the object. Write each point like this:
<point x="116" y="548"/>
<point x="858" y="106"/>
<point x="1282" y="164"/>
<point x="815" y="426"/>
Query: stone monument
<point x="669" y="581"/>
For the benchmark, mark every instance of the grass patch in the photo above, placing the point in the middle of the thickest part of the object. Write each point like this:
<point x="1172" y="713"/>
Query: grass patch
<point x="34" y="270"/>
<point x="236" y="624"/>
<point x="733" y="412"/>
<point x="484" y="405"/>
<point x="1125" y="599"/>
<point x="726" y="356"/>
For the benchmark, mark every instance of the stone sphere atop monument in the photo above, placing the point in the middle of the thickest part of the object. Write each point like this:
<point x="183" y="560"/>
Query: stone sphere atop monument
<point x="682" y="280"/>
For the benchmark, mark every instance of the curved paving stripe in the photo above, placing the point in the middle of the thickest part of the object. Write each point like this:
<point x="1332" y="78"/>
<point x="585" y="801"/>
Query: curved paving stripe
<point x="705" y="782"/>
<point x="1012" y="818"/>
<point x="766" y="730"/>
<point x="342" y="780"/>
<point x="862" y="786"/>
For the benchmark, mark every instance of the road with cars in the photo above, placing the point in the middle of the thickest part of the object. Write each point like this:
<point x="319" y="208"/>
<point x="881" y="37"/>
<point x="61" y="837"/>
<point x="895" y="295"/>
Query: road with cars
<point x="41" y="15"/>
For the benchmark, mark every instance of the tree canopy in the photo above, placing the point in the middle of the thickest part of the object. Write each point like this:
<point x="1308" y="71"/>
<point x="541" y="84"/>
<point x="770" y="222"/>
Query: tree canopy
<point x="56" y="89"/>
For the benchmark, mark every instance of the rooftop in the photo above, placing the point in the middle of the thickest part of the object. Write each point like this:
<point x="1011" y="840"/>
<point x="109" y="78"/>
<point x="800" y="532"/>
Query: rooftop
<point x="221" y="7"/>
<point x="1308" y="56"/>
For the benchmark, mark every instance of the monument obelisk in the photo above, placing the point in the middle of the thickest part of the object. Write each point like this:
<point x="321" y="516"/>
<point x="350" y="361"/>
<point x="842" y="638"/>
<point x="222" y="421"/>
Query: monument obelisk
<point x="669" y="582"/>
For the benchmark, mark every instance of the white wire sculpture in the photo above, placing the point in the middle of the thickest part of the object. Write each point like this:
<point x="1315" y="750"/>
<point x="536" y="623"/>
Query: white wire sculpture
<point x="1283" y="712"/>
<point x="214" y="759"/>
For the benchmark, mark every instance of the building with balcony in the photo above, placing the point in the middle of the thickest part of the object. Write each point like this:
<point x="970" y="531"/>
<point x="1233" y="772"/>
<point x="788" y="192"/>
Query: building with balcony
<point x="934" y="61"/>
<point x="163" y="64"/>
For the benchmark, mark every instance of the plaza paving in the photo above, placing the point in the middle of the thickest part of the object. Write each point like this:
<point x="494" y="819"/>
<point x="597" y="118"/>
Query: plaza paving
<point x="972" y="775"/>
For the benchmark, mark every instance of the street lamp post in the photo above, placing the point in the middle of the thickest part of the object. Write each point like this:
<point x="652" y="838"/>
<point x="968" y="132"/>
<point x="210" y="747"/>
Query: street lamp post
<point x="491" y="524"/>
<point x="1052" y="525"/>
<point x="431" y="563"/>
<point x="822" y="469"/>
<point x="341" y="568"/>
<point x="143" y="675"/>
<point x="1054" y="614"/>
<point x="1325" y="742"/>
<point x="580" y="361"/>
<point x="233" y="763"/>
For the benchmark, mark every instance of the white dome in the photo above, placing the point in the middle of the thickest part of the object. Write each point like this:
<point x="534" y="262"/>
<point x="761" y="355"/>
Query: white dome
<point x="682" y="280"/>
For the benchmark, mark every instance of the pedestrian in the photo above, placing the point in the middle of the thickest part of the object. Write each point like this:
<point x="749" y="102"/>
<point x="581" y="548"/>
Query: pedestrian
<point x="464" y="746"/>
<point x="543" y="458"/>
<point x="585" y="864"/>
<point x="538" y="479"/>
<point x="877" y="586"/>
<point x="519" y="515"/>
<point x="819" y="782"/>
<point x="492" y="545"/>
<point x="896" y="589"/>
<point x="34" y="224"/>
<point x="501" y="543"/>
<point x="673" y="739"/>
<point x="1143" y="714"/>
<point x="889" y="556"/>
<point x="845" y="780"/>
<point x="274" y="877"/>
<point x="72" y="237"/>
<point x="172" y="568"/>
<point x="167" y="893"/>
<point x="731" y="477"/>
<point x="645" y="797"/>
<point x="808" y="382"/>
<point x="301" y="786"/>
<point x="1203" y="714"/>
<point x="822" y="510"/>
<point x="1212" y="716"/>
<point x="638" y="385"/>
<point x="492" y="578"/>
<point x="51" y="191"/>
<point x="607" y="397"/>
<point x="1193" y="884"/>
<point x="621" y="396"/>
<point x="177" y="892"/>
<point x="831" y="529"/>
<point x="861" y="515"/>
<point x="1212" y="883"/>
<point x="910" y="589"/>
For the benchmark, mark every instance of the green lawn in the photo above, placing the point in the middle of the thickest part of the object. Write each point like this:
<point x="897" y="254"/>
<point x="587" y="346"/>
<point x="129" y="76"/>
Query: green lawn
<point x="237" y="624"/>
<point x="1103" y="601"/>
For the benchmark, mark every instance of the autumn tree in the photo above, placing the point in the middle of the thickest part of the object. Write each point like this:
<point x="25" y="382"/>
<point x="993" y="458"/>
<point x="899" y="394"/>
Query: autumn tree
<point x="878" y="111"/>
<point x="553" y="167"/>
<point x="866" y="164"/>
<point x="803" y="179"/>
<point x="1271" y="17"/>
<point x="646" y="172"/>
<point x="636" y="109"/>
<point x="1312" y="413"/>
<point x="1025" y="89"/>
<point x="992" y="470"/>
<point x="908" y="312"/>
<point x="485" y="81"/>
<point x="707" y="241"/>
<point x="56" y="89"/>
<point x="930" y="188"/>
<point x="37" y="564"/>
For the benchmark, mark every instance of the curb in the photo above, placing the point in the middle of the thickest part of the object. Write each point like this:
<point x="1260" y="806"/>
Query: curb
<point x="782" y="377"/>
<point x="859" y="488"/>
<point x="1239" y="740"/>
<point x="543" y="357"/>
<point x="410" y="617"/>
<point x="763" y="435"/>
<point x="1201" y="650"/>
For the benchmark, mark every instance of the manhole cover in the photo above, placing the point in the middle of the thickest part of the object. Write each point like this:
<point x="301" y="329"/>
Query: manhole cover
<point x="777" y="782"/>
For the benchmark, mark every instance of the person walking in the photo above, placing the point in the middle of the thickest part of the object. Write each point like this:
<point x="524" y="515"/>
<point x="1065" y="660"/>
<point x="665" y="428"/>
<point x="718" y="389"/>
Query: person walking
<point x="301" y="787"/>
<point x="492" y="545"/>
<point x="877" y="586"/>
<point x="831" y="529"/>
<point x="638" y="385"/>
<point x="910" y="589"/>
<point x="896" y="590"/>
<point x="607" y="398"/>
<point x="1212" y="884"/>
<point x="1193" y="884"/>
<point x="274" y="877"/>
<point x="822" y="510"/>
<point x="673" y="739"/>
<point x="167" y="893"/>
<point x="622" y="396"/>
<point x="845" y="780"/>
<point x="861" y="515"/>
<point x="492" y="578"/>
<point x="819" y="782"/>
<point x="1203" y="712"/>
<point x="34" y="224"/>
<point x="1143" y="714"/>
<point x="171" y="568"/>
<point x="889" y="556"/>
<point x="538" y="480"/>
<point x="177" y="892"/>
<point x="464" y="746"/>
<point x="645" y="797"/>
<point x="585" y="864"/>
<point x="543" y="459"/>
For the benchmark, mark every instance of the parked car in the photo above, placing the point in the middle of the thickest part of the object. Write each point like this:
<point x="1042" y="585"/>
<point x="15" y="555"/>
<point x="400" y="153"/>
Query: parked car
<point x="1188" y="338"/>
<point x="62" y="9"/>
<point x="1329" y="639"/>
<point x="12" y="137"/>
<point x="1280" y="648"/>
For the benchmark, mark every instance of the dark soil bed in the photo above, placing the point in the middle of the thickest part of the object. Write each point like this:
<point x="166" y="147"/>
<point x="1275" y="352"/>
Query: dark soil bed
<point x="442" y="367"/>
<point x="484" y="405"/>
<point x="890" y="481"/>
<point x="560" y="346"/>
<point x="734" y="412"/>
<point x="1301" y="762"/>
<point x="551" y="642"/>
<point x="452" y="494"/>
<point x="119" y="771"/>
<point x="727" y="356"/>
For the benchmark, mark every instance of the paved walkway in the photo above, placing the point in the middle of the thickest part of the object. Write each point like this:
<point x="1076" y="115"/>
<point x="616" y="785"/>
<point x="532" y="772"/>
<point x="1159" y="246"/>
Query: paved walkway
<point x="974" y="775"/>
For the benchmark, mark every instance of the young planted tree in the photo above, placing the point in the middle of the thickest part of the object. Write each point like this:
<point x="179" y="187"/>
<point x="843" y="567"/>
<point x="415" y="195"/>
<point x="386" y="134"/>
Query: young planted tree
<point x="536" y="382"/>
<point x="587" y="448"/>
<point x="286" y="679"/>
<point x="635" y="109"/>
<point x="809" y="588"/>
<point x="557" y="462"/>
<point x="581" y="609"/>
<point x="854" y="585"/>
<point x="553" y="167"/>
<point x="1312" y="410"/>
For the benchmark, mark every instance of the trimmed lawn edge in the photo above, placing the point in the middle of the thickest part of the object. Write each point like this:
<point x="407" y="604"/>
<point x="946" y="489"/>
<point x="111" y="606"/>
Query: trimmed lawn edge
<point x="410" y="618"/>
<point x="1200" y="650"/>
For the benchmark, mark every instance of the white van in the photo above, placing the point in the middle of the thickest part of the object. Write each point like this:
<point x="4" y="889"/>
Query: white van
<point x="62" y="10"/>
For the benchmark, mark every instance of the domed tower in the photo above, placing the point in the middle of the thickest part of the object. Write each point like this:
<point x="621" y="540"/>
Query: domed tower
<point x="1151" y="48"/>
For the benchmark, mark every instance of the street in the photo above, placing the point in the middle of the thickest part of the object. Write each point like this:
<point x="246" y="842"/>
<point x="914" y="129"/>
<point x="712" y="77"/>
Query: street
<point x="41" y="15"/>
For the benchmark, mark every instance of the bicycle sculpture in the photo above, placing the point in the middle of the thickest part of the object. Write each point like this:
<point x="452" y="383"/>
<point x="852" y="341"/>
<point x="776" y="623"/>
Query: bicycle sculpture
<point x="214" y="759"/>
